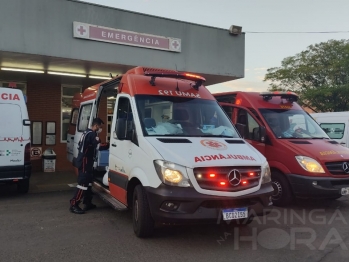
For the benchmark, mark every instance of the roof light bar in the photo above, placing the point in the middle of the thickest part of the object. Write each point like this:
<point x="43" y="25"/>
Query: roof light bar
<point x="289" y="96"/>
<point x="199" y="80"/>
<point x="65" y="74"/>
<point x="22" y="70"/>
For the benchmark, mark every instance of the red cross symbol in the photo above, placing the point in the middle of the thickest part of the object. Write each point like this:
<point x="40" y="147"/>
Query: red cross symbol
<point x="12" y="84"/>
<point x="175" y="44"/>
<point x="81" y="30"/>
<point x="213" y="144"/>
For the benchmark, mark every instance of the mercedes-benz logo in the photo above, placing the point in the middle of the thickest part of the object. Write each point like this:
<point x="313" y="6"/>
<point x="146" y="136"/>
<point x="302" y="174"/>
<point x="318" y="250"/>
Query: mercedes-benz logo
<point x="234" y="177"/>
<point x="345" y="167"/>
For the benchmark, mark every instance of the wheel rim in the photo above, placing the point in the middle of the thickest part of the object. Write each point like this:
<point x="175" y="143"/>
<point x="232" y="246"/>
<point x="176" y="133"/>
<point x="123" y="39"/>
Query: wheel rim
<point x="277" y="190"/>
<point x="136" y="210"/>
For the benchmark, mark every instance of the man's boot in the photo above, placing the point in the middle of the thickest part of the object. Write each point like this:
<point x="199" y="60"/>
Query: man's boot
<point x="88" y="200"/>
<point x="76" y="209"/>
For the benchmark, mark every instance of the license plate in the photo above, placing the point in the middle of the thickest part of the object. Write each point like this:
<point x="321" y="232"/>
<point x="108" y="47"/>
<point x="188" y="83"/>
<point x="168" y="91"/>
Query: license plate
<point x="345" y="191"/>
<point x="235" y="213"/>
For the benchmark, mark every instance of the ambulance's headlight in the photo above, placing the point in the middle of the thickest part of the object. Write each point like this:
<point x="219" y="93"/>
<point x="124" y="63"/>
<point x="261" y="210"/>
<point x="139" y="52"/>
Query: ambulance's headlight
<point x="266" y="174"/>
<point x="309" y="164"/>
<point x="171" y="173"/>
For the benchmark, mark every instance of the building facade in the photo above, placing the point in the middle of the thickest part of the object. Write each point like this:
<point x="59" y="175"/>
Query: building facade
<point x="52" y="49"/>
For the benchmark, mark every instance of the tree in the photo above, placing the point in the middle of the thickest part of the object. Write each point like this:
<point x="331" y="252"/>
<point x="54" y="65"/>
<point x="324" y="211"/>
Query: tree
<point x="320" y="75"/>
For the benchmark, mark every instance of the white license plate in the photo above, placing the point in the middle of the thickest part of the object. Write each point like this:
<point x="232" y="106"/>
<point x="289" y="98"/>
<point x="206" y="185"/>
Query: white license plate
<point x="345" y="191"/>
<point x="235" y="213"/>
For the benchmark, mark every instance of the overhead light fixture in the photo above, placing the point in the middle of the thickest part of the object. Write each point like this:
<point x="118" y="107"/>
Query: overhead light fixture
<point x="99" y="77"/>
<point x="22" y="70"/>
<point x="65" y="74"/>
<point x="235" y="30"/>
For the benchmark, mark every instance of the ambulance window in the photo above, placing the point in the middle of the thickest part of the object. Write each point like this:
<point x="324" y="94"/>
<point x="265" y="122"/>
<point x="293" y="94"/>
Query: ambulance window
<point x="125" y="112"/>
<point x="84" y="117"/>
<point x="254" y="112"/>
<point x="251" y="130"/>
<point x="228" y="110"/>
<point x="74" y="116"/>
<point x="13" y="123"/>
<point x="124" y="109"/>
<point x="147" y="112"/>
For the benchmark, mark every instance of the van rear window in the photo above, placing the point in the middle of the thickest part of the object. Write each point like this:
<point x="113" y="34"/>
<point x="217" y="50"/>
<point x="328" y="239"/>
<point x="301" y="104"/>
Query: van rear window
<point x="11" y="120"/>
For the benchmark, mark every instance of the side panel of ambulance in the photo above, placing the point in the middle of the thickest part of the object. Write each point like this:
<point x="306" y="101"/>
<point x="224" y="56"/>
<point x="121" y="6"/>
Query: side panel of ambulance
<point x="15" y="166"/>
<point x="335" y="124"/>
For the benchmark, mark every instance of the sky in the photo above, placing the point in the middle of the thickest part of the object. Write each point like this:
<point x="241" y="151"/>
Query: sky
<point x="262" y="50"/>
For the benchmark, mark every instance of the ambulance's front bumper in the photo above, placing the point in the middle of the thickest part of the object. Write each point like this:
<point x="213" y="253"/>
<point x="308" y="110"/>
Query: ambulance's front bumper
<point x="11" y="173"/>
<point x="180" y="205"/>
<point x="317" y="187"/>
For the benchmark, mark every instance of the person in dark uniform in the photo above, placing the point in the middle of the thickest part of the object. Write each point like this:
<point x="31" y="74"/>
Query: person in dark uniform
<point x="84" y="162"/>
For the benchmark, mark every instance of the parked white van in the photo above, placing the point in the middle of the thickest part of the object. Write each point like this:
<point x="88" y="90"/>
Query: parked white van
<point x="15" y="166"/>
<point x="335" y="124"/>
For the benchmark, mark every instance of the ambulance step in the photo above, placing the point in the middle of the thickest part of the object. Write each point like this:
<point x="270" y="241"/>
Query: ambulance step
<point x="104" y="194"/>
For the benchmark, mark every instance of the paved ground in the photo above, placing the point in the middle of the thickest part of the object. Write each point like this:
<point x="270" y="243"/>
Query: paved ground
<point x="51" y="181"/>
<point x="38" y="227"/>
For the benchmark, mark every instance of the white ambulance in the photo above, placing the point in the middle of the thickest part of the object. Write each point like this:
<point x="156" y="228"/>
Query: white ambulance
<point x="174" y="155"/>
<point x="15" y="166"/>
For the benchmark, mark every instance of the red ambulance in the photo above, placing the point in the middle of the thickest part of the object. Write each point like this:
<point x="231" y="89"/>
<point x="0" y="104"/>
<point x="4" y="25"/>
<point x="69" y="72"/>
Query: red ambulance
<point x="304" y="161"/>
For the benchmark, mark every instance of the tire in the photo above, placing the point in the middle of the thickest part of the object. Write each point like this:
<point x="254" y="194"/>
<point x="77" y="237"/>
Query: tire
<point x="282" y="195"/>
<point x="23" y="186"/>
<point x="143" y="223"/>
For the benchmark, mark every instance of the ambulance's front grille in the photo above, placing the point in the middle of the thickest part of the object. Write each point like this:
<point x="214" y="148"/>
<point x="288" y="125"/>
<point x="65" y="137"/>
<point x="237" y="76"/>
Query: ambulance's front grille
<point x="340" y="168"/>
<point x="230" y="179"/>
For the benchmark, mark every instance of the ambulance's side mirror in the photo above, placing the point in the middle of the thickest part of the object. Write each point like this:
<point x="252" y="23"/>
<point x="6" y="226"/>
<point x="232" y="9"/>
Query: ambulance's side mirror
<point x="121" y="128"/>
<point x="262" y="132"/>
<point x="259" y="134"/>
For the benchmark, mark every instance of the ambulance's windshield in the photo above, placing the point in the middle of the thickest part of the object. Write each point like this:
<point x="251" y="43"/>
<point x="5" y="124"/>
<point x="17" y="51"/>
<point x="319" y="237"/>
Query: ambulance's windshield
<point x="179" y="116"/>
<point x="292" y="124"/>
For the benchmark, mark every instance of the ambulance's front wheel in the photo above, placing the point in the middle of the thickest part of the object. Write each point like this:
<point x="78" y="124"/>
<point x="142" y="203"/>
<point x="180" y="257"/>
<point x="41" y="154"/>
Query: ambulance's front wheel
<point x="283" y="195"/>
<point x="143" y="222"/>
<point x="23" y="186"/>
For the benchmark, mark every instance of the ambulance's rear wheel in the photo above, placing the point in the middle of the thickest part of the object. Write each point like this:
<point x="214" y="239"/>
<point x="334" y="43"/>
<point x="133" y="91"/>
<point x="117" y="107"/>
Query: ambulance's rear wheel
<point x="143" y="223"/>
<point x="23" y="186"/>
